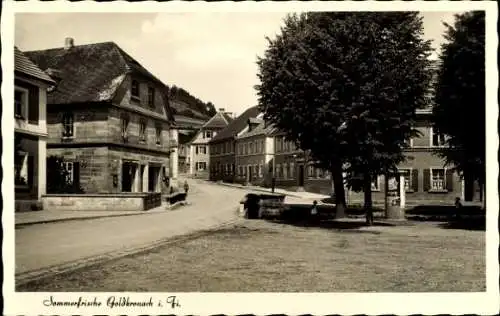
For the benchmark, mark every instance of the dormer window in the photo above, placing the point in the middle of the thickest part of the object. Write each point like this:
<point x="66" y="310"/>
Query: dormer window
<point x="135" y="89"/>
<point x="151" y="97"/>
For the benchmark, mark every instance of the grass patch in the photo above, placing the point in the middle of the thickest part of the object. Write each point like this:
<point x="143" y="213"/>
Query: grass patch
<point x="262" y="256"/>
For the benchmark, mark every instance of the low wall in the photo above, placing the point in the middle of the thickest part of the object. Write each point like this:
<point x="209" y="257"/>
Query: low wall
<point x="101" y="202"/>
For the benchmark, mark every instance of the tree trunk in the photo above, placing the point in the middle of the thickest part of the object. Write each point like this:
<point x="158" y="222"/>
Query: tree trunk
<point x="367" y="188"/>
<point x="338" y="185"/>
<point x="386" y="191"/>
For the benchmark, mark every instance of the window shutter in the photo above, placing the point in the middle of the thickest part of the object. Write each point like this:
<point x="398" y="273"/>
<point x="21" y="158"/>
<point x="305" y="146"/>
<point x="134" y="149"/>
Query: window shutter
<point x="31" y="170"/>
<point x="449" y="180"/>
<point x="414" y="180"/>
<point x="33" y="106"/>
<point x="427" y="179"/>
<point x="76" y="174"/>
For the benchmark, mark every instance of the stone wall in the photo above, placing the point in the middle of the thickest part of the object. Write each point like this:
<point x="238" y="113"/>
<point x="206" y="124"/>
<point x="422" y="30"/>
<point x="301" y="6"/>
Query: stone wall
<point x="98" y="202"/>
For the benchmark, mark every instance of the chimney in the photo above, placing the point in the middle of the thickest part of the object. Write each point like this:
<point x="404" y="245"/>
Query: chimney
<point x="69" y="42"/>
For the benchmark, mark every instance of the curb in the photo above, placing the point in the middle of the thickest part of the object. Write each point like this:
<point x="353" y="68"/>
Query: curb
<point x="34" y="275"/>
<point x="82" y="218"/>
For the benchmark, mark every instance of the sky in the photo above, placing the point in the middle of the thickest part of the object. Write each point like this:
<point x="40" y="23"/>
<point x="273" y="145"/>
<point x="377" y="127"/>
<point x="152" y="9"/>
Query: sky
<point x="211" y="55"/>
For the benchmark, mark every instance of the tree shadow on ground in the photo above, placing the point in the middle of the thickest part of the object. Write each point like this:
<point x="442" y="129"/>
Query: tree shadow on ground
<point x="466" y="224"/>
<point x="336" y="225"/>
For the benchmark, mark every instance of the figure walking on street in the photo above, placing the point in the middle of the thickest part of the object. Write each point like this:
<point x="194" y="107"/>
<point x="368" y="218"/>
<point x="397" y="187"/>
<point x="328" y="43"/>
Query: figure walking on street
<point x="186" y="187"/>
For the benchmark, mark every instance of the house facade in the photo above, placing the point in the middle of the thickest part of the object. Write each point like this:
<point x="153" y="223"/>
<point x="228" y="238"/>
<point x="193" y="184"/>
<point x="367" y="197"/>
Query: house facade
<point x="255" y="153"/>
<point x="199" y="150"/>
<point x="113" y="131"/>
<point x="187" y="123"/>
<point x="30" y="131"/>
<point x="222" y="147"/>
<point x="294" y="170"/>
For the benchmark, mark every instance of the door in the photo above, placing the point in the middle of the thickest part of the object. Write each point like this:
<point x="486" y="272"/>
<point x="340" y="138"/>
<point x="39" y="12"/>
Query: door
<point x="249" y="173"/>
<point x="127" y="177"/>
<point x="301" y="176"/>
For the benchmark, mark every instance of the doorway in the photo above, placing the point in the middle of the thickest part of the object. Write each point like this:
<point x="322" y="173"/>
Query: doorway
<point x="153" y="175"/>
<point x="249" y="174"/>
<point x="301" y="176"/>
<point x="128" y="176"/>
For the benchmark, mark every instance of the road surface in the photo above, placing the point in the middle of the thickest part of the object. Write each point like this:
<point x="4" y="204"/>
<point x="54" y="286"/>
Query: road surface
<point x="42" y="246"/>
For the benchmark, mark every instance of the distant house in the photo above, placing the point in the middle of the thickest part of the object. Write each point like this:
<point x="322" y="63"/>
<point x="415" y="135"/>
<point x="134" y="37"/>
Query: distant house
<point x="30" y="131"/>
<point x="109" y="118"/>
<point x="187" y="122"/>
<point x="255" y="153"/>
<point x="223" y="147"/>
<point x="199" y="151"/>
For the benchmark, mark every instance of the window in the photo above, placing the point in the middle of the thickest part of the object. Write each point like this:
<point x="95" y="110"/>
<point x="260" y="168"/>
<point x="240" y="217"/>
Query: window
<point x="262" y="148"/>
<point x="438" y="139"/>
<point x="201" y="166"/>
<point x="320" y="173"/>
<point x="68" y="166"/>
<point x="201" y="149"/>
<point x="257" y="147"/>
<point x="251" y="148"/>
<point x="208" y="134"/>
<point x="376" y="184"/>
<point x="142" y="130"/>
<point x="151" y="97"/>
<point x="158" y="134"/>
<point x="125" y="120"/>
<point x="406" y="173"/>
<point x="292" y="170"/>
<point x="21" y="168"/>
<point x="135" y="89"/>
<point x="20" y="103"/>
<point x="310" y="171"/>
<point x="67" y="122"/>
<point x="437" y="179"/>
<point x="285" y="171"/>
<point x="260" y="170"/>
<point x="246" y="149"/>
<point x="278" y="171"/>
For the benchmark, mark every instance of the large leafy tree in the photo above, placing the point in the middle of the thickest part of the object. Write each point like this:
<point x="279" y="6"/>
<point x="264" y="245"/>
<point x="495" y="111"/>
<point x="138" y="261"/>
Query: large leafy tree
<point x="345" y="86"/>
<point x="459" y="110"/>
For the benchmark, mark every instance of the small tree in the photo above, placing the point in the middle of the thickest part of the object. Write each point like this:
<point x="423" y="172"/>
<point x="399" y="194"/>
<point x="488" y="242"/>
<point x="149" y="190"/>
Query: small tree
<point x="459" y="109"/>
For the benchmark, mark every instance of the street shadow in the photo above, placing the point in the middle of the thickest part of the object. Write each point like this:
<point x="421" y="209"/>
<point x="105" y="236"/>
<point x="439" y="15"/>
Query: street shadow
<point x="477" y="224"/>
<point x="334" y="225"/>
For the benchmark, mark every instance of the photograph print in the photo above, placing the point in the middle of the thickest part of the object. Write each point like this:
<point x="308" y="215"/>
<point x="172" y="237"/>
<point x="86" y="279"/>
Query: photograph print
<point x="205" y="152"/>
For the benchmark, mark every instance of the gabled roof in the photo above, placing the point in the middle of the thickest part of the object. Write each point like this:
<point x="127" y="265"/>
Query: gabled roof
<point x="261" y="129"/>
<point x="218" y="121"/>
<point x="236" y="126"/>
<point x="24" y="65"/>
<point x="88" y="73"/>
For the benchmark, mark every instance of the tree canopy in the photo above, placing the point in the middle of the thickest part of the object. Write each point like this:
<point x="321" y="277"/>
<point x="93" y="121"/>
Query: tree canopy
<point x="459" y="109"/>
<point x="206" y="108"/>
<point x="345" y="86"/>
